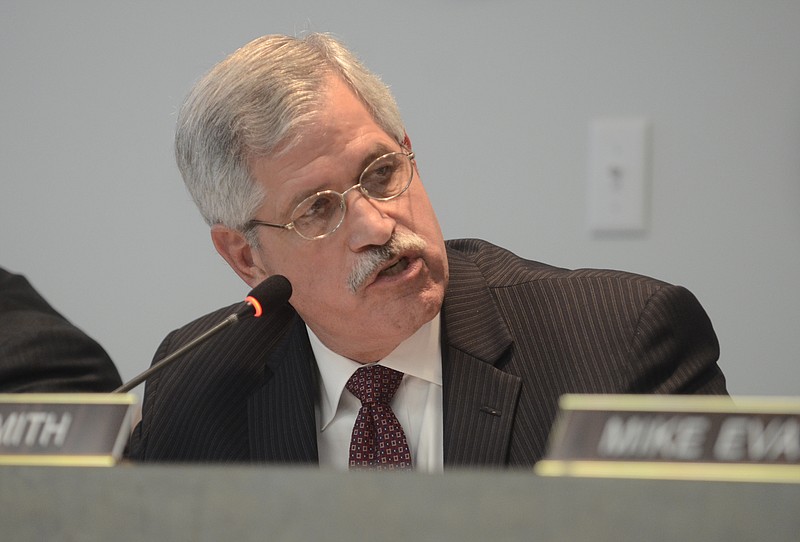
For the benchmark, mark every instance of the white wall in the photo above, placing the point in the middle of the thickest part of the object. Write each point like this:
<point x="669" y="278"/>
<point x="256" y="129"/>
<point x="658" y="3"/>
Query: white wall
<point x="497" y="97"/>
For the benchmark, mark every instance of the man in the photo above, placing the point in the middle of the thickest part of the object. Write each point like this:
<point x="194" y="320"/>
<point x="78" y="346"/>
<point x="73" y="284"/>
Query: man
<point x="297" y="158"/>
<point x="40" y="351"/>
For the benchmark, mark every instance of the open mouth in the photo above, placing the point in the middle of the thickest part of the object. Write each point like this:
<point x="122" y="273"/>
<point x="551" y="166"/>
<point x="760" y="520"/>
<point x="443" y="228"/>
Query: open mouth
<point x="400" y="266"/>
<point x="402" y="254"/>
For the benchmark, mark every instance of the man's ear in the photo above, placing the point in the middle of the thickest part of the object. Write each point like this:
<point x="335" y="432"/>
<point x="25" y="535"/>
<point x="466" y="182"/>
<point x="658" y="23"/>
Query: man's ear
<point x="407" y="146"/>
<point x="406" y="141"/>
<point x="235" y="249"/>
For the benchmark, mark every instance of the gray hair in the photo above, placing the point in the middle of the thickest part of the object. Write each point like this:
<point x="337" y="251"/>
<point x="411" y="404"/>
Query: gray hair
<point x="255" y="102"/>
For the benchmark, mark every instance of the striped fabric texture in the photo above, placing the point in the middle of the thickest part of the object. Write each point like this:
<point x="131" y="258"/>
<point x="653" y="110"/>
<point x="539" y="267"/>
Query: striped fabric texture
<point x="516" y="334"/>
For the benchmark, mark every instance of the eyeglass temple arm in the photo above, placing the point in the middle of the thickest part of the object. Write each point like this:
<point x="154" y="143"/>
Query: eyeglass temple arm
<point x="253" y="223"/>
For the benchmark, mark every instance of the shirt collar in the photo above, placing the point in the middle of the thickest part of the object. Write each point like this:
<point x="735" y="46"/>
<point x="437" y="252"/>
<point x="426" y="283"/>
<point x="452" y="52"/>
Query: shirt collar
<point x="418" y="356"/>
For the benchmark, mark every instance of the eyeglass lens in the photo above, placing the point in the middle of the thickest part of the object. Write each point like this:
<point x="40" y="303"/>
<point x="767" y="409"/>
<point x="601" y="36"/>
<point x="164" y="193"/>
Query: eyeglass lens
<point x="383" y="179"/>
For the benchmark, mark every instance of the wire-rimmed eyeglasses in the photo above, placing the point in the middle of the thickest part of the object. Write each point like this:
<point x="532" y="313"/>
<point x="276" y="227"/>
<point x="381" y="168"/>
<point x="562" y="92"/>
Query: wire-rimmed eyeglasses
<point x="321" y="214"/>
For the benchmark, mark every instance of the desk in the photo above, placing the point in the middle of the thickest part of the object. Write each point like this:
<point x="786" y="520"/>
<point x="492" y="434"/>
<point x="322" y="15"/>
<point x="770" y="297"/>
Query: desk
<point x="235" y="503"/>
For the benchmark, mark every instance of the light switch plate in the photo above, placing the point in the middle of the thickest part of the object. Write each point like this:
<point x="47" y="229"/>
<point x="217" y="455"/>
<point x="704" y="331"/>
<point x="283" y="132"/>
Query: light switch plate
<point x="618" y="177"/>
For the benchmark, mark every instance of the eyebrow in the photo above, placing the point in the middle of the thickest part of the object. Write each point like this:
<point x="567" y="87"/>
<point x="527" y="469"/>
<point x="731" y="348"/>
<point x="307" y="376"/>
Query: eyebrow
<point x="379" y="150"/>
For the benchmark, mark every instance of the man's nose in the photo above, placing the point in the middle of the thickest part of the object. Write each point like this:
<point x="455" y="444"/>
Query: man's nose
<point x="366" y="222"/>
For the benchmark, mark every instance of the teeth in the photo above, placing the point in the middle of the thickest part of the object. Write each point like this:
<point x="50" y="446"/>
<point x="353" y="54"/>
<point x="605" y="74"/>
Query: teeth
<point x="397" y="268"/>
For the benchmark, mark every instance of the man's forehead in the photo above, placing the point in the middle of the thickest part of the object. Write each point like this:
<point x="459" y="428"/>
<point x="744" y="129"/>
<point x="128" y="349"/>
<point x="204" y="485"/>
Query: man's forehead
<point x="332" y="145"/>
<point x="354" y="166"/>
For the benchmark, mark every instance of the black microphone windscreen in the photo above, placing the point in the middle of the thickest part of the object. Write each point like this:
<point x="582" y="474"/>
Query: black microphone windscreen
<point x="272" y="291"/>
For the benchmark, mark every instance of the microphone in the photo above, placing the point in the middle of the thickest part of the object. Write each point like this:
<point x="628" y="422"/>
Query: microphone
<point x="273" y="291"/>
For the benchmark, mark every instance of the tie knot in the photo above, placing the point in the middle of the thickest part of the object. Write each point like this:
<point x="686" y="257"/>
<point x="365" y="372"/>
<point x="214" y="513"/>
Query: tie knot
<point x="374" y="384"/>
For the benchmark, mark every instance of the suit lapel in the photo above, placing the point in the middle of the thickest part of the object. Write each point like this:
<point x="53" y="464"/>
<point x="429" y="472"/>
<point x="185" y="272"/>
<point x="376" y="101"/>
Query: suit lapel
<point x="282" y="415"/>
<point x="479" y="399"/>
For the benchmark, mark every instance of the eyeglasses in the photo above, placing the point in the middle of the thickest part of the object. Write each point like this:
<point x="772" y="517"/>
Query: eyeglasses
<point x="321" y="214"/>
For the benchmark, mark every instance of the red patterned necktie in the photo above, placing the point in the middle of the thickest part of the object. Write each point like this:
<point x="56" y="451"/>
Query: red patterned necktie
<point x="378" y="441"/>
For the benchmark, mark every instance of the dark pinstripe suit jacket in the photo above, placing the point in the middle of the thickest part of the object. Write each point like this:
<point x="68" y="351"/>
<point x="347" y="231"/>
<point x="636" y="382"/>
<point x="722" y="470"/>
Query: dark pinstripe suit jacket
<point x="516" y="335"/>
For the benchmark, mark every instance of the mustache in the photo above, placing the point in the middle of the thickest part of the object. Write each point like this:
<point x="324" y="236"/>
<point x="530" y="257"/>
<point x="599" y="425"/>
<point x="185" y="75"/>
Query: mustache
<point x="374" y="258"/>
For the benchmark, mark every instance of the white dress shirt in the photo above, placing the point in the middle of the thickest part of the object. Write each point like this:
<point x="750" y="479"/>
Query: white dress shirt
<point x="417" y="402"/>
